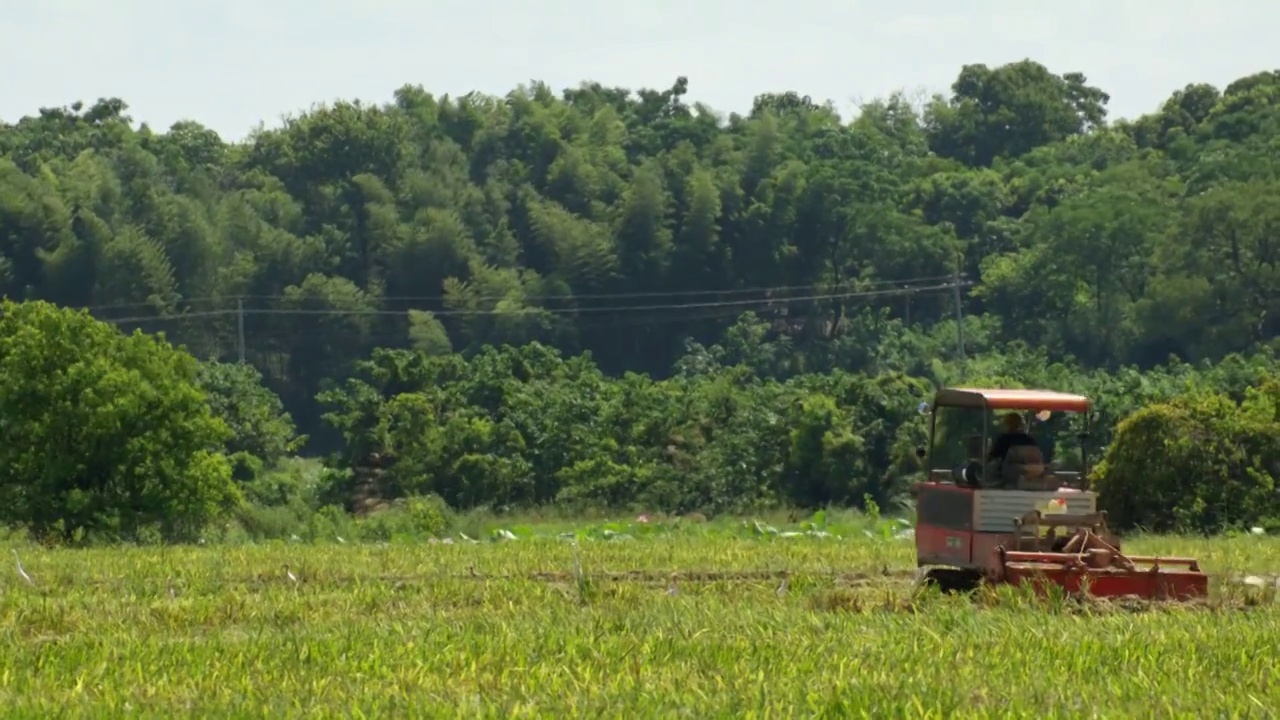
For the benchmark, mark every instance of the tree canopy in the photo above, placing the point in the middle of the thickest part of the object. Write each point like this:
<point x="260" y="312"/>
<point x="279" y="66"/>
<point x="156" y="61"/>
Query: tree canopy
<point x="102" y="432"/>
<point x="1005" y="230"/>
<point x="625" y="222"/>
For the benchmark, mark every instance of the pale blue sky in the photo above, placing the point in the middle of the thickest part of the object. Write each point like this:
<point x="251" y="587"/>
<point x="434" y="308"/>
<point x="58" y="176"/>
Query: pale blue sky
<point x="232" y="63"/>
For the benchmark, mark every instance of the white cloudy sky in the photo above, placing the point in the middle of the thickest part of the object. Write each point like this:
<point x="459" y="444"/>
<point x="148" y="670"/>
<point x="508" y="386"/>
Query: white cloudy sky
<point x="232" y="63"/>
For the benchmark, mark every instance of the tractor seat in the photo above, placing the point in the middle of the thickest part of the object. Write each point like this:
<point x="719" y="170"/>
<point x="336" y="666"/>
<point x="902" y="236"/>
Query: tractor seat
<point x="1023" y="468"/>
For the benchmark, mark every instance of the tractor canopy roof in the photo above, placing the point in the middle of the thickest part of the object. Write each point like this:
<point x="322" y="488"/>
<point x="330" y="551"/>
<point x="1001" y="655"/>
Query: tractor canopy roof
<point x="1010" y="399"/>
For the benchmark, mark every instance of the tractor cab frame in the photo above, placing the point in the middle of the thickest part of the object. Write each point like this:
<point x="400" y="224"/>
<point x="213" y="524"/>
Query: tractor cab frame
<point x="1028" y="517"/>
<point x="1025" y="467"/>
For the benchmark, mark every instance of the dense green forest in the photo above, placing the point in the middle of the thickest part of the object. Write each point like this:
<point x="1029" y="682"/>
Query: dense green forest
<point x="702" y="311"/>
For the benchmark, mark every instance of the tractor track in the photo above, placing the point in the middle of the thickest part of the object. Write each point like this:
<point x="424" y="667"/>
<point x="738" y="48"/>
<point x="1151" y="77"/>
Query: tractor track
<point x="705" y="576"/>
<point x="425" y="579"/>
<point x="835" y="581"/>
<point x="471" y="574"/>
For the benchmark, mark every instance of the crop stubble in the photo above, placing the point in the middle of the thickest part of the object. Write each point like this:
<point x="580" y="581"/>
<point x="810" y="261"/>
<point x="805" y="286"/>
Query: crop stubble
<point x="510" y="628"/>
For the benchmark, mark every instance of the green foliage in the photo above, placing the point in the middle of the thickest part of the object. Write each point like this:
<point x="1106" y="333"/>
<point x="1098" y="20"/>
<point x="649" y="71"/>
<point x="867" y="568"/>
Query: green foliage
<point x="783" y="277"/>
<point x="412" y="517"/>
<point x="103" y="433"/>
<point x="262" y="433"/>
<point x="1201" y="462"/>
<point x="524" y="426"/>
<point x="292" y="482"/>
<point x="635" y="225"/>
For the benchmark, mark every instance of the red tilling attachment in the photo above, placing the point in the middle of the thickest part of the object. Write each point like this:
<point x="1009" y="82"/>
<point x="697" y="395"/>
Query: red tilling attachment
<point x="1103" y="574"/>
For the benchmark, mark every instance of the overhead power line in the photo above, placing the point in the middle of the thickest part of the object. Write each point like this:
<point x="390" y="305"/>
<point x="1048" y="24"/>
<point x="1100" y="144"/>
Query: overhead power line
<point x="729" y="292"/>
<point x="618" y="316"/>
<point x="767" y="302"/>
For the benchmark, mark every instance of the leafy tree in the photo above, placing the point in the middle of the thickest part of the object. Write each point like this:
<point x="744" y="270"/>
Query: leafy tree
<point x="262" y="433"/>
<point x="102" y="432"/>
<point x="1010" y="110"/>
<point x="1200" y="463"/>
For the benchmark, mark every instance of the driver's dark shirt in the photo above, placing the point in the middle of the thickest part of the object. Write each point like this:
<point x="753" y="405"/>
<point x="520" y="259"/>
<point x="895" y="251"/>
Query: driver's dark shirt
<point x="1002" y="444"/>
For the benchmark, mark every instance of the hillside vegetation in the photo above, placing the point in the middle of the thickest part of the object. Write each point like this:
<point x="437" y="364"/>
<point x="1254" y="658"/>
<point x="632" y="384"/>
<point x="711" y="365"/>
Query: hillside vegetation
<point x="699" y="311"/>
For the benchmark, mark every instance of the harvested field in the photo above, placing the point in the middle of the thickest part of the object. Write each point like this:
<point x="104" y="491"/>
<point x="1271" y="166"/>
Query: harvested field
<point x="659" y="625"/>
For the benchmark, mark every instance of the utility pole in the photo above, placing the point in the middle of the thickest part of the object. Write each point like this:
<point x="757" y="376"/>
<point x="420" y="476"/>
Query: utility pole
<point x="240" y="328"/>
<point x="955" y="289"/>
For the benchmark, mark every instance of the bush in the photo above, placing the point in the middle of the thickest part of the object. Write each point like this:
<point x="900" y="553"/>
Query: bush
<point x="1201" y="463"/>
<point x="261" y="432"/>
<point x="296" y="480"/>
<point x="412" y="517"/>
<point x="104" y="434"/>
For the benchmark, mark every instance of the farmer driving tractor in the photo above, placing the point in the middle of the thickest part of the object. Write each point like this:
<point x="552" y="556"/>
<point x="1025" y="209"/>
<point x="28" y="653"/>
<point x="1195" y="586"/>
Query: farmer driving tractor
<point x="1014" y="453"/>
<point x="1001" y="525"/>
<point x="1013" y="436"/>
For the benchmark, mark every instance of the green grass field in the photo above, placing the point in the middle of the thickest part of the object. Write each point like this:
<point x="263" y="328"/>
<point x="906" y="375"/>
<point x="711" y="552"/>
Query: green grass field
<point x="508" y="628"/>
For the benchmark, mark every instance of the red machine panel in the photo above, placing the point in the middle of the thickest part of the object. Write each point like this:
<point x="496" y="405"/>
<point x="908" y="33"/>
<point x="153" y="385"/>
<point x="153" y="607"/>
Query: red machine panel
<point x="944" y="525"/>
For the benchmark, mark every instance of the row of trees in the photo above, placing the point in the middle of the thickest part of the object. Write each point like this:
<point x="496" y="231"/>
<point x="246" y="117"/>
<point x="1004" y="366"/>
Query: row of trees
<point x="107" y="435"/>
<point x="623" y="223"/>
<point x="693" y="311"/>
<point x="526" y="426"/>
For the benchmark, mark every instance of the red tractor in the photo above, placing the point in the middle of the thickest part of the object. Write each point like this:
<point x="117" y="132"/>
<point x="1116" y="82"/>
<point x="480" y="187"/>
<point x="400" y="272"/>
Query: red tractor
<point x="1019" y="509"/>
